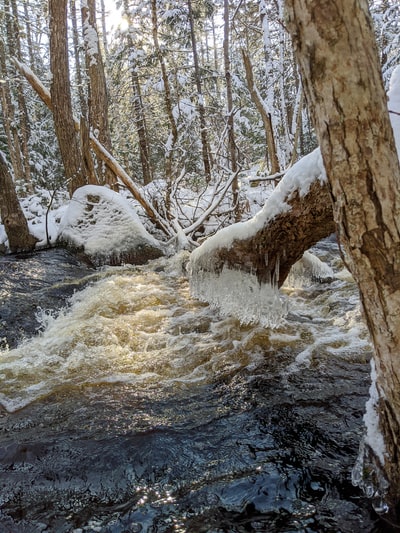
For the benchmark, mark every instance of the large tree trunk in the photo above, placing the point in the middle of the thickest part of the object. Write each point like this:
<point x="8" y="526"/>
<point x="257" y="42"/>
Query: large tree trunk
<point x="335" y="46"/>
<point x="10" y="122"/>
<point x="61" y="96"/>
<point x="12" y="216"/>
<point x="14" y="45"/>
<point x="77" y="59"/>
<point x="101" y="152"/>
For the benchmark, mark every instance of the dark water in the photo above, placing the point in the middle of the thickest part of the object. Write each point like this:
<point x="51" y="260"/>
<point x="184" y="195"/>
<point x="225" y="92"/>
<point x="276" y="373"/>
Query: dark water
<point x="32" y="281"/>
<point x="251" y="448"/>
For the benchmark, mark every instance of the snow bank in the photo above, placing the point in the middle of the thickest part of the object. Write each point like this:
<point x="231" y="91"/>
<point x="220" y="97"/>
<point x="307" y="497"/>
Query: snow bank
<point x="105" y="226"/>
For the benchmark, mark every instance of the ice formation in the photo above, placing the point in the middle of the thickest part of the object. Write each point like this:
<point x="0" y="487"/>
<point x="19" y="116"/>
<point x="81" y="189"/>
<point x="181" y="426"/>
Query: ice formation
<point x="239" y="294"/>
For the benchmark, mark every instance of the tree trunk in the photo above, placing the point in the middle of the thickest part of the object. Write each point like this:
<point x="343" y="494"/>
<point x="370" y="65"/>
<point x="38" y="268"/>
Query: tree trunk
<point x="24" y="125"/>
<point x="77" y="59"/>
<point x="12" y="216"/>
<point x="336" y="49"/>
<point x="138" y="108"/>
<point x="61" y="96"/>
<point x="264" y="112"/>
<point x="28" y="29"/>
<point x="100" y="151"/>
<point x="98" y="98"/>
<point x="167" y="98"/>
<point x="200" y="99"/>
<point x="229" y="100"/>
<point x="10" y="121"/>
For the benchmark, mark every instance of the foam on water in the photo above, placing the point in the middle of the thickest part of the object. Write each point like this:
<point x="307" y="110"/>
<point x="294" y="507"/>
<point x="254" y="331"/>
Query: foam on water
<point x="142" y="327"/>
<point x="130" y="327"/>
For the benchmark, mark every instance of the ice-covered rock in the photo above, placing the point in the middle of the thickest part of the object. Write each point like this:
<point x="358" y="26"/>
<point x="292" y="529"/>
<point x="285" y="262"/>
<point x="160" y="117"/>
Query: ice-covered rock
<point x="104" y="227"/>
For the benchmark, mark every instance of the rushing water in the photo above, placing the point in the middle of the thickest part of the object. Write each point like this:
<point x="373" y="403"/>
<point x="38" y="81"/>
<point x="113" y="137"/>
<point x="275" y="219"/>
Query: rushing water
<point x="128" y="406"/>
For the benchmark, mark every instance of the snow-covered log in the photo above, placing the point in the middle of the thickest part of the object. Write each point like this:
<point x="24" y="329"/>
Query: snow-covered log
<point x="295" y="217"/>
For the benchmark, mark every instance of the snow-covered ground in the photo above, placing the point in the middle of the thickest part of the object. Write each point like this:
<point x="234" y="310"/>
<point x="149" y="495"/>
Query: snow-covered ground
<point x="46" y="211"/>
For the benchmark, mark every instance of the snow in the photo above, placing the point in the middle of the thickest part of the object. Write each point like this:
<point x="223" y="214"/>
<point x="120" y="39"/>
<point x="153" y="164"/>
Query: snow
<point x="309" y="269"/>
<point x="102" y="223"/>
<point x="394" y="105"/>
<point x="299" y="177"/>
<point x="374" y="437"/>
<point x="90" y="37"/>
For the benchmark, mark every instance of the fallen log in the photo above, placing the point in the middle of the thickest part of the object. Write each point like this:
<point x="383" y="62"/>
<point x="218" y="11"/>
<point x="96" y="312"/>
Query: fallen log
<point x="297" y="215"/>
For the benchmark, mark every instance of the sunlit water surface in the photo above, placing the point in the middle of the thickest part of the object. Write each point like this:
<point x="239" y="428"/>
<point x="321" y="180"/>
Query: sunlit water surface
<point x="136" y="408"/>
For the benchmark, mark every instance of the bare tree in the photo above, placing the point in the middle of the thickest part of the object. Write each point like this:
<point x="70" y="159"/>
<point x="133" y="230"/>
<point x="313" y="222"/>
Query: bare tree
<point x="61" y="96"/>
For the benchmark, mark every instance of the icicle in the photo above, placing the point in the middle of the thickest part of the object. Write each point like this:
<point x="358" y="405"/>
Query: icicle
<point x="240" y="294"/>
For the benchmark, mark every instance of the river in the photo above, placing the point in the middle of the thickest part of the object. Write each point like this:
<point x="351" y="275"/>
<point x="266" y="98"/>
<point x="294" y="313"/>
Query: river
<point x="128" y="406"/>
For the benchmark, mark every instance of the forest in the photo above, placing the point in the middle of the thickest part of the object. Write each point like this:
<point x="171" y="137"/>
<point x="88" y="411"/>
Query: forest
<point x="187" y="99"/>
<point x="240" y="132"/>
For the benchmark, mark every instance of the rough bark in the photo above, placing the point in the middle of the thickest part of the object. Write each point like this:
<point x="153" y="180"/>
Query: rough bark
<point x="10" y="121"/>
<point x="77" y="60"/>
<point x="12" y="216"/>
<point x="14" y="44"/>
<point x="90" y="170"/>
<point x="61" y="96"/>
<point x="335" y="46"/>
<point x="272" y="251"/>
